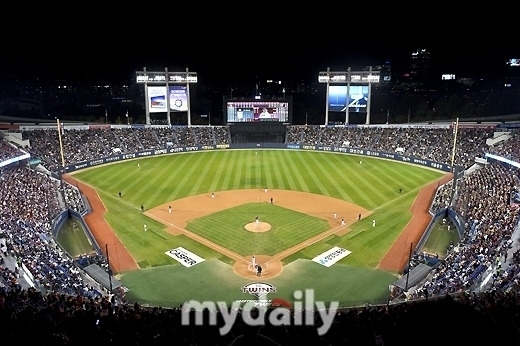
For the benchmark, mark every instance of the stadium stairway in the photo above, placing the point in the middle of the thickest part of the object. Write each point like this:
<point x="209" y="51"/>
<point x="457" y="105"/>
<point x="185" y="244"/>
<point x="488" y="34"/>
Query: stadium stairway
<point x="10" y="263"/>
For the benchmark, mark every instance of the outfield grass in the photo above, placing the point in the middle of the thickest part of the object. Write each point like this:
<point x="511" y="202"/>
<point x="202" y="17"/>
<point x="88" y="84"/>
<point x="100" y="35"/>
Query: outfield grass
<point x="373" y="185"/>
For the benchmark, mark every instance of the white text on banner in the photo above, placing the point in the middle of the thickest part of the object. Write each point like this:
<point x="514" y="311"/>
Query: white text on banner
<point x="185" y="257"/>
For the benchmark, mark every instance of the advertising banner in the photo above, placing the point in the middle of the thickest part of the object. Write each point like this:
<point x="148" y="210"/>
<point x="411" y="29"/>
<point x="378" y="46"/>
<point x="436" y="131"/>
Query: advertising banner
<point x="328" y="258"/>
<point x="157" y="99"/>
<point x="184" y="257"/>
<point x="178" y="98"/>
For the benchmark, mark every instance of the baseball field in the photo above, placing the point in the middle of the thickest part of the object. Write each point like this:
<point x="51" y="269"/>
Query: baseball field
<point x="185" y="226"/>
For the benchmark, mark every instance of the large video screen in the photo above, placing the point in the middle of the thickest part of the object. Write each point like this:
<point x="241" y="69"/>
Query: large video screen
<point x="257" y="111"/>
<point x="357" y="100"/>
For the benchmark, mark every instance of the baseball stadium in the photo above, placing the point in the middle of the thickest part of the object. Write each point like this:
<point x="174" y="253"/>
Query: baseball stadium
<point x="368" y="217"/>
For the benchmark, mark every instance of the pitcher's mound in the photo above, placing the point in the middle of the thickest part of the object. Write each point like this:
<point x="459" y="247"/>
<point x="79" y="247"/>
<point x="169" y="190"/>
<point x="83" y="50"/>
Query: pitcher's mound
<point x="257" y="227"/>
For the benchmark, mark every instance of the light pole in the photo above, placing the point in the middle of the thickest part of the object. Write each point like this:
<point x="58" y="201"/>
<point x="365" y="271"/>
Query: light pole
<point x="109" y="270"/>
<point x="60" y="133"/>
<point x="408" y="273"/>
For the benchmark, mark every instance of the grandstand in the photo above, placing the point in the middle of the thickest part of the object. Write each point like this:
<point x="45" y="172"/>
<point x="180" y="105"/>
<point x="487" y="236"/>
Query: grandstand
<point x="483" y="269"/>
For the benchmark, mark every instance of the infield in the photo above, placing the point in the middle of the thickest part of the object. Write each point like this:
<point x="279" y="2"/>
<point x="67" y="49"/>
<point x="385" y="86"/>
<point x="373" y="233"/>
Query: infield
<point x="295" y="226"/>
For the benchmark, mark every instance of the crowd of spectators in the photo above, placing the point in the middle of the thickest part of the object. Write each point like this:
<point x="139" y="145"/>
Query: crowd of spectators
<point x="489" y="225"/>
<point x="72" y="198"/>
<point x="30" y="201"/>
<point x="8" y="151"/>
<point x="510" y="149"/>
<point x="430" y="143"/>
<point x="490" y="317"/>
<point x="64" y="306"/>
<point x="84" y="145"/>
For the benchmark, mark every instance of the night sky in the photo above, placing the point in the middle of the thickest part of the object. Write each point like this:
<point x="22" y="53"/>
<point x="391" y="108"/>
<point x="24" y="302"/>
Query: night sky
<point x="104" y="46"/>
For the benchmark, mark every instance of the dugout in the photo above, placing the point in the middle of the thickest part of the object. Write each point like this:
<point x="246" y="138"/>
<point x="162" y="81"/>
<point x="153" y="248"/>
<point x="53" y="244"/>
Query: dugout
<point x="412" y="278"/>
<point x="101" y="276"/>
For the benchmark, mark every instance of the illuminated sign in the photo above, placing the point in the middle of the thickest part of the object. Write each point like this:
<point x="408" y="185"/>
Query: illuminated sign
<point x="164" y="77"/>
<point x="345" y="77"/>
<point x="151" y="78"/>
<point x="187" y="77"/>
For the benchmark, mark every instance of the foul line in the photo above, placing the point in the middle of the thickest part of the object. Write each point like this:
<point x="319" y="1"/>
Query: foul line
<point x="203" y="240"/>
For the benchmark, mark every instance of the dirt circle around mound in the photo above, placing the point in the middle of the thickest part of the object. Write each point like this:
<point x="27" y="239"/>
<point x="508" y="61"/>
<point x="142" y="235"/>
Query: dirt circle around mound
<point x="257" y="227"/>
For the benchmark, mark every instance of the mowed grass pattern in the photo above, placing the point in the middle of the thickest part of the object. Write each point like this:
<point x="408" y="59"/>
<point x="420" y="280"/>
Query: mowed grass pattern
<point x="226" y="228"/>
<point x="169" y="177"/>
<point x="153" y="181"/>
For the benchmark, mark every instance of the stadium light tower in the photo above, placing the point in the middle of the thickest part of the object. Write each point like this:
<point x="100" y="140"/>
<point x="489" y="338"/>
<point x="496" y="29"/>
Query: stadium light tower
<point x="161" y="97"/>
<point x="347" y="78"/>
